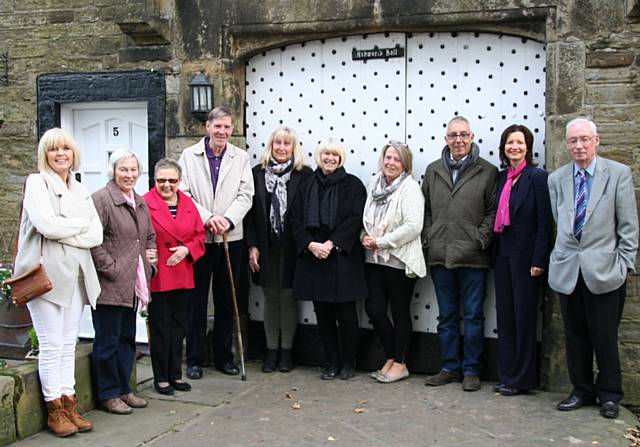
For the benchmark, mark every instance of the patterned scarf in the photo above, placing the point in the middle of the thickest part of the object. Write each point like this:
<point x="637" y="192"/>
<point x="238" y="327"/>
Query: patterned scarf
<point x="503" y="219"/>
<point x="376" y="214"/>
<point x="276" y="177"/>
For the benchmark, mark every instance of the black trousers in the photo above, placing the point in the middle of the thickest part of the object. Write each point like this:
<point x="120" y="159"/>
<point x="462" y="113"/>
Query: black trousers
<point x="167" y="322"/>
<point x="340" y="342"/>
<point x="114" y="349"/>
<point x="591" y="325"/>
<point x="517" y="312"/>
<point x="213" y="265"/>
<point x="390" y="286"/>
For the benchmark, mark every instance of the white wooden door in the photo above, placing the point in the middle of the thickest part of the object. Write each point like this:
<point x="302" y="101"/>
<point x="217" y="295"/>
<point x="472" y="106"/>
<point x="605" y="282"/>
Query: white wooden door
<point x="323" y="89"/>
<point x="99" y="128"/>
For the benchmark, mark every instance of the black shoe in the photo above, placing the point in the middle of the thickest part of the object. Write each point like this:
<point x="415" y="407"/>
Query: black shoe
<point x="286" y="361"/>
<point x="194" y="372"/>
<point x="180" y="386"/>
<point x="509" y="391"/>
<point x="270" y="361"/>
<point x="573" y="402"/>
<point x="609" y="410"/>
<point x="329" y="373"/>
<point x="497" y="386"/>
<point x="346" y="373"/>
<point x="228" y="368"/>
<point x="166" y="390"/>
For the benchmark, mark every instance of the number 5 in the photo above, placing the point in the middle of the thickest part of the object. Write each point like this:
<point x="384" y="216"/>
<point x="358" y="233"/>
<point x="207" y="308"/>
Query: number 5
<point x="116" y="132"/>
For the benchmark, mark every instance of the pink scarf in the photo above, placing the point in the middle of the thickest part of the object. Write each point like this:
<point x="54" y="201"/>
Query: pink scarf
<point x="502" y="215"/>
<point x="141" y="290"/>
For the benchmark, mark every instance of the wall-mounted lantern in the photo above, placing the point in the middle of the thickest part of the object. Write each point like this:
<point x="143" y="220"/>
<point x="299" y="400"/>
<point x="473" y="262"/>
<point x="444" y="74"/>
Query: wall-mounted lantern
<point x="201" y="96"/>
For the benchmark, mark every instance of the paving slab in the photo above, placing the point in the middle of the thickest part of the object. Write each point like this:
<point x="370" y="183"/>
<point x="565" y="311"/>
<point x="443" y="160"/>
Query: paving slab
<point x="299" y="409"/>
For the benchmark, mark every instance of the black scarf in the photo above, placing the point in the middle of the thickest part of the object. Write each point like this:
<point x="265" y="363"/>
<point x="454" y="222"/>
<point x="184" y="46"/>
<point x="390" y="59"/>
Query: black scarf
<point x="461" y="165"/>
<point x="322" y="199"/>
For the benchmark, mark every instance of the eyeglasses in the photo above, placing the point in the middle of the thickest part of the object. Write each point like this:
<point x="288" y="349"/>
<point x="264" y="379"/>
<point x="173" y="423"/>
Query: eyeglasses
<point x="162" y="181"/>
<point x="572" y="142"/>
<point x="453" y="136"/>
<point x="395" y="143"/>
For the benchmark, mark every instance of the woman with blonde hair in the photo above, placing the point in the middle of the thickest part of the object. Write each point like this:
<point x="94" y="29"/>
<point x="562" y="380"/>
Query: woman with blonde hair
<point x="60" y="224"/>
<point x="393" y="217"/>
<point x="326" y="224"/>
<point x="272" y="254"/>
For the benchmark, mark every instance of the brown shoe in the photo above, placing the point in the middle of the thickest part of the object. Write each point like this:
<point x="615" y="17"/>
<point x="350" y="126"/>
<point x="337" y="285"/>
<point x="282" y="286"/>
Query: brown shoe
<point x="71" y="406"/>
<point x="471" y="383"/>
<point x="442" y="378"/>
<point x="58" y="420"/>
<point x="115" y="406"/>
<point x="133" y="401"/>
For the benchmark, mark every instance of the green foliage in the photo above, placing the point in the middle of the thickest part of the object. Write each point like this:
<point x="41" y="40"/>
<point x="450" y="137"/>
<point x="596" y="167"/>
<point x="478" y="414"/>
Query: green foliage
<point x="35" y="346"/>
<point x="5" y="291"/>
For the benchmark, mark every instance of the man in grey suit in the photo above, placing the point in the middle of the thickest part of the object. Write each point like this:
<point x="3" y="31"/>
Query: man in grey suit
<point x="594" y="206"/>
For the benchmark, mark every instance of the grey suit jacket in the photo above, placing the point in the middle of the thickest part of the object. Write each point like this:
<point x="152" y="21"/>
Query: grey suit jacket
<point x="609" y="242"/>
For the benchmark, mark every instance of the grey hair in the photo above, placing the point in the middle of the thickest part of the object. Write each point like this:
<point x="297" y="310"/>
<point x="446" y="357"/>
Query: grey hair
<point x="167" y="163"/>
<point x="460" y="119"/>
<point x="117" y="156"/>
<point x="220" y="112"/>
<point x="581" y="120"/>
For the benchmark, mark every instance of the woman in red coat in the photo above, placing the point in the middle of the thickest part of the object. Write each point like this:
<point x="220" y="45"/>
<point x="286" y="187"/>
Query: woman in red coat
<point x="180" y="241"/>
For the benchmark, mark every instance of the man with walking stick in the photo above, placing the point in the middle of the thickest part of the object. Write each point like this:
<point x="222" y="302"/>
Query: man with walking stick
<point x="217" y="176"/>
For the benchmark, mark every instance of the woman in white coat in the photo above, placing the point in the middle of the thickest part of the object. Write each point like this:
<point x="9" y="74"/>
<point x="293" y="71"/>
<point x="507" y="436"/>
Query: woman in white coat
<point x="393" y="216"/>
<point x="59" y="220"/>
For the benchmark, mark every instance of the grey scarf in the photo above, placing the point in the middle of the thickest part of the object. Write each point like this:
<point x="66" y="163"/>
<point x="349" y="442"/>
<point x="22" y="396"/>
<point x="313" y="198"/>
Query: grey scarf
<point x="461" y="165"/>
<point x="380" y="196"/>
<point x="276" y="177"/>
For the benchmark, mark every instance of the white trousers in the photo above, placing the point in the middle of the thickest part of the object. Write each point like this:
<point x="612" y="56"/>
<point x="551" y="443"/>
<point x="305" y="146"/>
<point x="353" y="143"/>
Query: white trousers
<point x="57" y="329"/>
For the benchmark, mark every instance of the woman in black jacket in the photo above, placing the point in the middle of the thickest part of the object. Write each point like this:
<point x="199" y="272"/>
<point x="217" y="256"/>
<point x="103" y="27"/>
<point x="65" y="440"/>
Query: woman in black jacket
<point x="272" y="253"/>
<point x="326" y="225"/>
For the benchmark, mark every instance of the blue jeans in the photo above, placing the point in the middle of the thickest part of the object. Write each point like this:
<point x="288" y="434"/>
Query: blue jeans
<point x="468" y="285"/>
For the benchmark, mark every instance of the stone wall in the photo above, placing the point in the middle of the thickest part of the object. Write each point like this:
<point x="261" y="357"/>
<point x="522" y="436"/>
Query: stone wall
<point x="593" y="58"/>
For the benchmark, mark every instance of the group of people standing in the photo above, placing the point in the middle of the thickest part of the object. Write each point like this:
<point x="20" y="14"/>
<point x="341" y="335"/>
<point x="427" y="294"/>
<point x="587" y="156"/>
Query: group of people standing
<point x="322" y="236"/>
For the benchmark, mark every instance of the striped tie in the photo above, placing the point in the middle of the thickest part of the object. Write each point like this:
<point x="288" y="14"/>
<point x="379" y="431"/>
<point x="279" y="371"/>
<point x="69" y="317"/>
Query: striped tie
<point x="581" y="205"/>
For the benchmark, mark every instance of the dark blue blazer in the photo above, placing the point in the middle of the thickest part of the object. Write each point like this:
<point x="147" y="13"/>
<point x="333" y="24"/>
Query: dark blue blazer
<point x="529" y="236"/>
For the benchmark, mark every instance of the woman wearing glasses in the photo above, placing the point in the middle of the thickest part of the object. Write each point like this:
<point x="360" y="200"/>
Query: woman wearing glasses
<point x="393" y="217"/>
<point x="180" y="240"/>
<point x="521" y="255"/>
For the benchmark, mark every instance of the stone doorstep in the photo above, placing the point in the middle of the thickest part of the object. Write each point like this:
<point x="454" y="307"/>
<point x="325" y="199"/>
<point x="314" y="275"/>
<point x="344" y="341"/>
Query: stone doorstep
<point x="22" y="408"/>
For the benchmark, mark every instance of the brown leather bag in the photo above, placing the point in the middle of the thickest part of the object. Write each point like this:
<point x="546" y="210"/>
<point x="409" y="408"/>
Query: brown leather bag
<point x="29" y="285"/>
<point x="32" y="283"/>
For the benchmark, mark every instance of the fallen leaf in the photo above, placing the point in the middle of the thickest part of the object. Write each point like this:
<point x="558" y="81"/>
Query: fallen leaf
<point x="362" y="402"/>
<point x="295" y="406"/>
<point x="358" y="410"/>
<point x="295" y="388"/>
<point x="288" y="395"/>
<point x="331" y="438"/>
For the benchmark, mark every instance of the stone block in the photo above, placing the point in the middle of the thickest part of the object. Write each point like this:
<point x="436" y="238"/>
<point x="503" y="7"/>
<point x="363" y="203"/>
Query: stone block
<point x="144" y="54"/>
<point x="60" y="16"/>
<point x="609" y="59"/>
<point x="570" y="92"/>
<point x="618" y="93"/>
<point x="30" y="411"/>
<point x="7" y="415"/>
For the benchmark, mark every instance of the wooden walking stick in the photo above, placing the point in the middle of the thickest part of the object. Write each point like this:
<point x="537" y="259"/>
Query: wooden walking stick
<point x="236" y="314"/>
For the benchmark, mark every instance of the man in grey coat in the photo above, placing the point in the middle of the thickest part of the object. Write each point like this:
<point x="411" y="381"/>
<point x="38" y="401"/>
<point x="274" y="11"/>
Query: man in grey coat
<point x="593" y="203"/>
<point x="460" y="194"/>
<point x="217" y="176"/>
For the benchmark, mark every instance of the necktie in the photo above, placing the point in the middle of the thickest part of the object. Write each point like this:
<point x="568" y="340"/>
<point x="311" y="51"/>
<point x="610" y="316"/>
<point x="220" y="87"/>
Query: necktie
<point x="581" y="205"/>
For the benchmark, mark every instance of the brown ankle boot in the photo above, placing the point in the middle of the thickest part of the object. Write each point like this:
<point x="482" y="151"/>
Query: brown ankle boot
<point x="71" y="406"/>
<point x="58" y="421"/>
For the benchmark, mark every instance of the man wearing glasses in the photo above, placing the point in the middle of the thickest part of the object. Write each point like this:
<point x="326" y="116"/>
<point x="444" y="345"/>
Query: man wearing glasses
<point x="217" y="176"/>
<point x="594" y="206"/>
<point x="460" y="195"/>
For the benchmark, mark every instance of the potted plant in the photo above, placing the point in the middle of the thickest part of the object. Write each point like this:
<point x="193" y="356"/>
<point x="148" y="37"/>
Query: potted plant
<point x="15" y="322"/>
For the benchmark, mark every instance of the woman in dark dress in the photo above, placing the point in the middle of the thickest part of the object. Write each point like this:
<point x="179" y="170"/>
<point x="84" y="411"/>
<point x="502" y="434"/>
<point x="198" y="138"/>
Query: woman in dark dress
<point x="326" y="225"/>
<point x="521" y="255"/>
<point x="272" y="252"/>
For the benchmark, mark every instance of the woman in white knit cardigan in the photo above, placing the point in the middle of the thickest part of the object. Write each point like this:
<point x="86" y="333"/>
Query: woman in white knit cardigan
<point x="393" y="217"/>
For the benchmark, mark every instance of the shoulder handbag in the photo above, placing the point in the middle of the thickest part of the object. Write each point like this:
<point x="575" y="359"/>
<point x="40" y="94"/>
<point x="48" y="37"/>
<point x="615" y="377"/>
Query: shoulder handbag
<point x="32" y="283"/>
